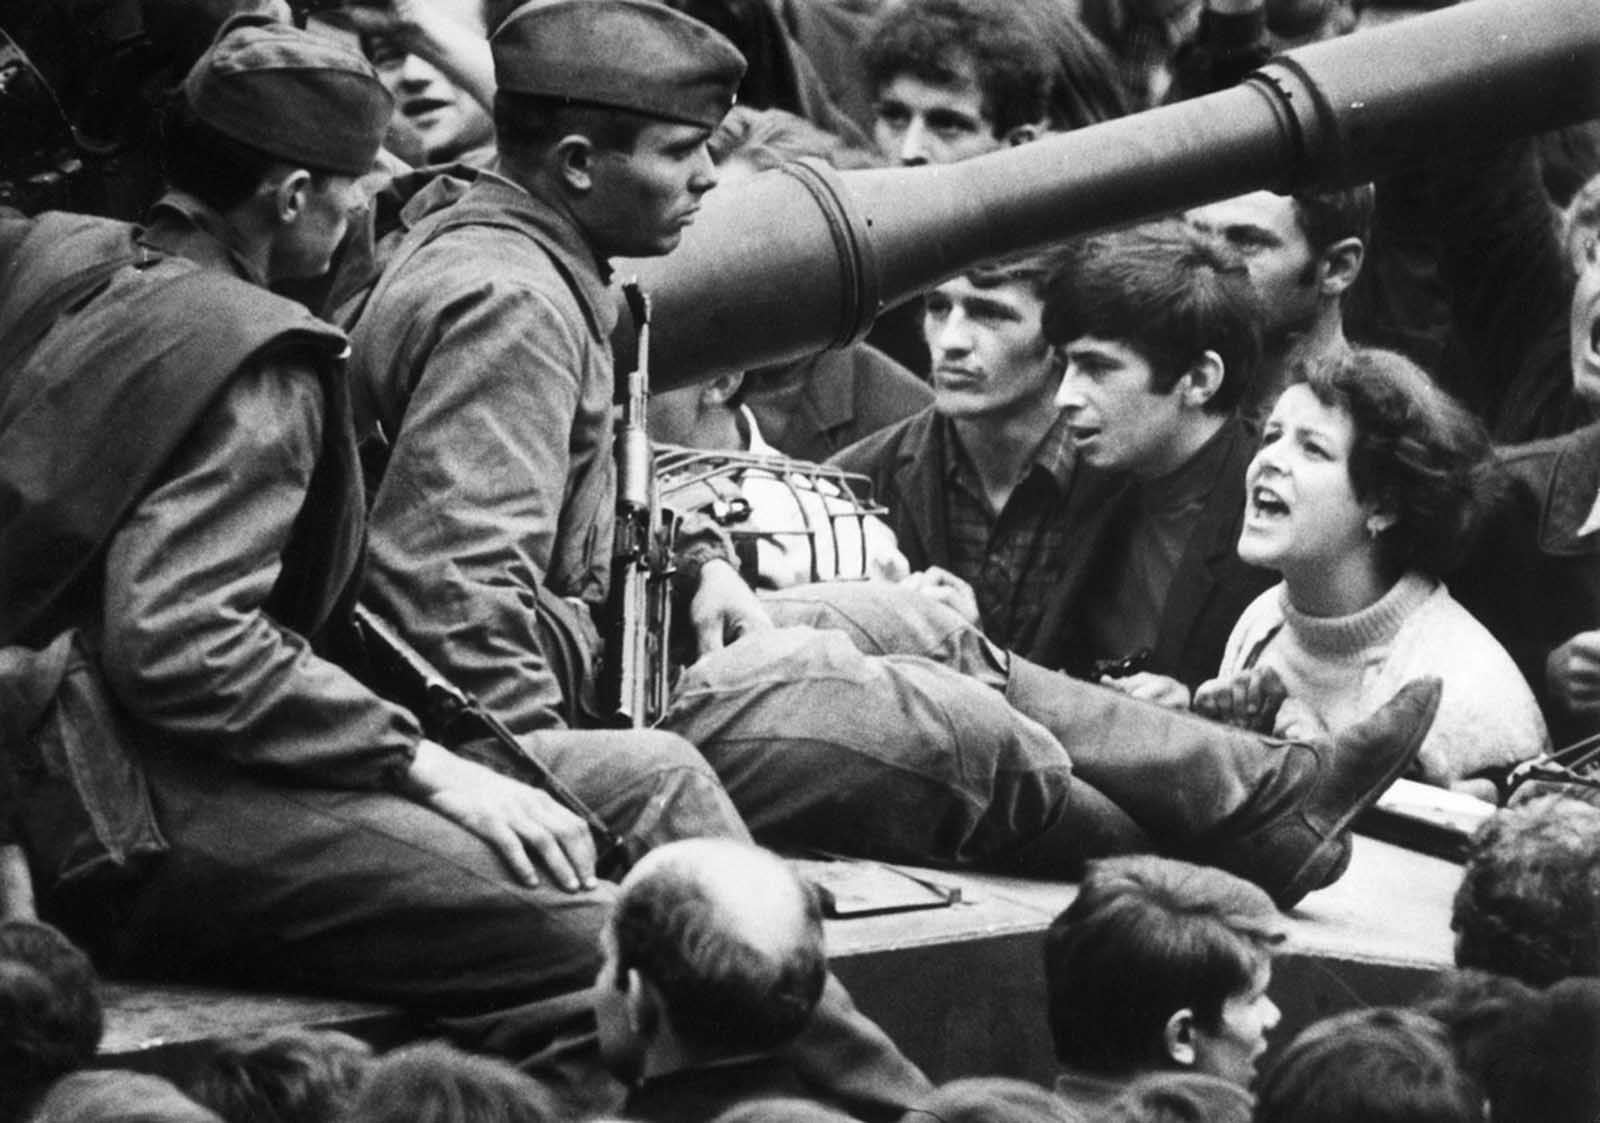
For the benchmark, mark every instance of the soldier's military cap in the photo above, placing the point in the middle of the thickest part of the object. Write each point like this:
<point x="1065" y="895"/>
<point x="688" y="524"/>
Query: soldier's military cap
<point x="623" y="54"/>
<point x="301" y="97"/>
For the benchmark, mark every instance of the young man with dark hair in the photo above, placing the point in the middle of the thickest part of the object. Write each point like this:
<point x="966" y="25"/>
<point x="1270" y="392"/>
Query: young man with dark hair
<point x="976" y="485"/>
<point x="955" y="79"/>
<point x="713" y="960"/>
<point x="1158" y="965"/>
<point x="1303" y="253"/>
<point x="1158" y="329"/>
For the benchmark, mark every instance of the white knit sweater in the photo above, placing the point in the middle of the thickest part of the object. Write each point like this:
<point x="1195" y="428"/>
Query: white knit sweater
<point x="1346" y="667"/>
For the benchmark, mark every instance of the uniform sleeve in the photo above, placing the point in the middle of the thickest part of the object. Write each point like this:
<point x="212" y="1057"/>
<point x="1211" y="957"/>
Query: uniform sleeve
<point x="471" y="505"/>
<point x="187" y="645"/>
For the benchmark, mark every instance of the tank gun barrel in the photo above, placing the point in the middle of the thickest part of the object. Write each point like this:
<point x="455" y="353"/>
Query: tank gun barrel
<point x="804" y="257"/>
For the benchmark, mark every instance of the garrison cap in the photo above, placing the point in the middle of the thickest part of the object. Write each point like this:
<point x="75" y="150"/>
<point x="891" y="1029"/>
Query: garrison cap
<point x="622" y="54"/>
<point x="291" y="94"/>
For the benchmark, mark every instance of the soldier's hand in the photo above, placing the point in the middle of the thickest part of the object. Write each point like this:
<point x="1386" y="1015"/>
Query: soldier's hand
<point x="949" y="590"/>
<point x="1250" y="699"/>
<point x="1149" y="687"/>
<point x="725" y="608"/>
<point x="1572" y="673"/>
<point x="529" y="830"/>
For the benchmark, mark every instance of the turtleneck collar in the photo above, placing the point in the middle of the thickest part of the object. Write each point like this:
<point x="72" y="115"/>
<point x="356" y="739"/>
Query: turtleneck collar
<point x="1337" y="637"/>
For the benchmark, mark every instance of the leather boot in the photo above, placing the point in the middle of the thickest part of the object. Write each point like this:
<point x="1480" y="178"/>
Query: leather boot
<point x="1272" y="811"/>
<point x="1302" y="842"/>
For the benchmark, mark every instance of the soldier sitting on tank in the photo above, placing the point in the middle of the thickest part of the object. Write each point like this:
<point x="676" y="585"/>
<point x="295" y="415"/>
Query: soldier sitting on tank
<point x="492" y="530"/>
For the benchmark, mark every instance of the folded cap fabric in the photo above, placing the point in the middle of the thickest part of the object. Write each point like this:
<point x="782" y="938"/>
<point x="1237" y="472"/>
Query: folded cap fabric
<point x="625" y="54"/>
<point x="291" y="94"/>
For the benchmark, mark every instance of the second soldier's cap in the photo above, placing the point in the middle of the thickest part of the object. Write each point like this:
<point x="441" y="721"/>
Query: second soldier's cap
<point x="292" y="94"/>
<point x="623" y="54"/>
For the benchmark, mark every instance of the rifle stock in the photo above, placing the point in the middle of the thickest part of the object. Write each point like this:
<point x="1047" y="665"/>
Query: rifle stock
<point x="454" y="717"/>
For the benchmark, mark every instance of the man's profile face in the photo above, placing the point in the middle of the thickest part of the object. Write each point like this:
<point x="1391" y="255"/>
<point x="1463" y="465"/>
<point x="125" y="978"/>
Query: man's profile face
<point x="305" y="248"/>
<point x="1117" y="421"/>
<point x="1264" y="228"/>
<point x="643" y="199"/>
<point x="989" y="355"/>
<point x="918" y="122"/>
<point x="1232" y="1049"/>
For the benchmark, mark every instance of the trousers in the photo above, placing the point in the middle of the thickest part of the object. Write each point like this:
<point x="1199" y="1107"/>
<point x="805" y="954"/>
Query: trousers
<point x="878" y="723"/>
<point x="368" y="895"/>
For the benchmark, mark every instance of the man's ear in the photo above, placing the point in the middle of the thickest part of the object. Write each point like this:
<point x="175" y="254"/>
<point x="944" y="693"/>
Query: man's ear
<point x="287" y="197"/>
<point x="1340" y="265"/>
<point x="1177" y="1038"/>
<point x="1201" y="381"/>
<point x="573" y="156"/>
<point x="1022" y="134"/>
<point x="643" y="1005"/>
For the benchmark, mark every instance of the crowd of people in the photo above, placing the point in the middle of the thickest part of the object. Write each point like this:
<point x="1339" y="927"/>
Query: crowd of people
<point x="1169" y="549"/>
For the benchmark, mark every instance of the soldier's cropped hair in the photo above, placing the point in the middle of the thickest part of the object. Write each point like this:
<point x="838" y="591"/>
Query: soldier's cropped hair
<point x="934" y="40"/>
<point x="1167" y="292"/>
<point x="720" y="991"/>
<point x="1145" y="938"/>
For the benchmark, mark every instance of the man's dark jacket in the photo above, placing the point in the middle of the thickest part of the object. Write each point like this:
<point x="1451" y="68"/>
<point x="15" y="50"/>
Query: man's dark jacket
<point x="907" y="465"/>
<point x="1533" y="579"/>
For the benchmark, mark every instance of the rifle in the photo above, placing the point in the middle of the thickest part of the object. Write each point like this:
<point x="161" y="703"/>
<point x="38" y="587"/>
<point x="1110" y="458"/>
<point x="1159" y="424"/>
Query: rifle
<point x="454" y="717"/>
<point x="634" y="667"/>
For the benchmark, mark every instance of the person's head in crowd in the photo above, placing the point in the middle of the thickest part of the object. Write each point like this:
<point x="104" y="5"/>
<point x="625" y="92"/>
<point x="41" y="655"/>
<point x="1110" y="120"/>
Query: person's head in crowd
<point x="703" y="415"/>
<point x="953" y="79"/>
<point x="51" y="1017"/>
<point x="989" y="361"/>
<point x="434" y="119"/>
<point x="714" y="950"/>
<point x="989" y="1099"/>
<point x="1582" y="227"/>
<point x="1144" y="36"/>
<point x="1157" y="325"/>
<point x="1367" y="471"/>
<point x="113" y="1096"/>
<point x="1303" y="253"/>
<point x="1180" y="1097"/>
<point x="756" y="140"/>
<point x="1529" y="901"/>
<point x="291" y="1076"/>
<point x="616" y="140"/>
<point x="1086" y="86"/>
<point x="1377" y="1066"/>
<point x="1295" y="23"/>
<point x="437" y="1083"/>
<point x="781" y="1109"/>
<point x="1162" y="965"/>
<point x="1535" y="1053"/>
<point x="273" y="130"/>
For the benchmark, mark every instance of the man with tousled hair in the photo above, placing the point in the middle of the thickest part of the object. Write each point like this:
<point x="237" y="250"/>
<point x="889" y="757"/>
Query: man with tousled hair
<point x="1303" y="253"/>
<point x="1158" y="965"/>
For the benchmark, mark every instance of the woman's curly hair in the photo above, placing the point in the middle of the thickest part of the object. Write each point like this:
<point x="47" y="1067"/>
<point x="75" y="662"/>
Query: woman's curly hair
<point x="1416" y="453"/>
